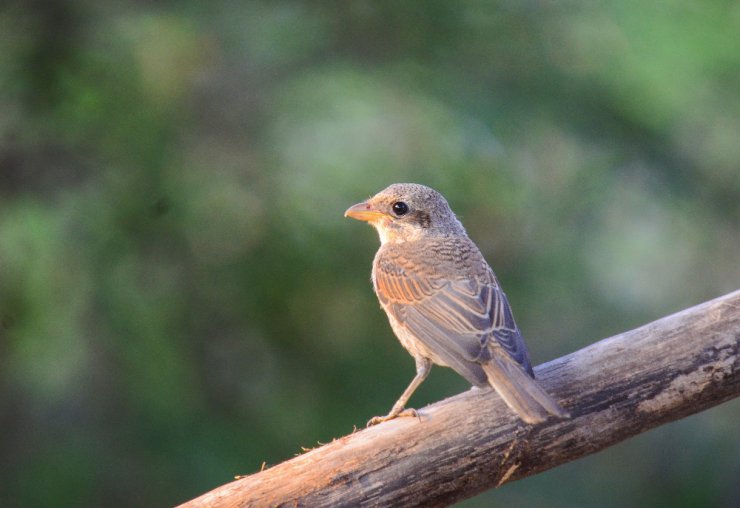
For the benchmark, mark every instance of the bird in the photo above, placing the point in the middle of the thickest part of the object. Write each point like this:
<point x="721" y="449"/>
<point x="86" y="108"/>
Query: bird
<point x="444" y="303"/>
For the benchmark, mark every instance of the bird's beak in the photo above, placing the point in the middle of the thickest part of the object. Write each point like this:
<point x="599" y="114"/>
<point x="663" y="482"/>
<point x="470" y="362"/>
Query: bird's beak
<point x="363" y="211"/>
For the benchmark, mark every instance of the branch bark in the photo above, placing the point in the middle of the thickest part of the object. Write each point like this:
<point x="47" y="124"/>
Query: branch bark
<point x="461" y="446"/>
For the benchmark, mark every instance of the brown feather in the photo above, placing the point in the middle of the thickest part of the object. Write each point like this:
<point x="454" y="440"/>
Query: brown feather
<point x="520" y="392"/>
<point x="444" y="302"/>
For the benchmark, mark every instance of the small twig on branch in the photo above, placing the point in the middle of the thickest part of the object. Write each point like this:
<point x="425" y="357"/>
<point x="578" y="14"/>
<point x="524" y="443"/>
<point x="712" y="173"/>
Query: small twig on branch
<point x="461" y="446"/>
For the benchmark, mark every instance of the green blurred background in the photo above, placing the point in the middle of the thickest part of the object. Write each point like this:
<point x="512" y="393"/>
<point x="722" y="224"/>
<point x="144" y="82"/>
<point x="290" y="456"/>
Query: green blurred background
<point x="181" y="299"/>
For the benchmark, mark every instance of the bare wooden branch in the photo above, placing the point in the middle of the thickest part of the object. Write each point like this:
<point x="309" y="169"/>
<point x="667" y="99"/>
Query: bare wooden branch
<point x="461" y="446"/>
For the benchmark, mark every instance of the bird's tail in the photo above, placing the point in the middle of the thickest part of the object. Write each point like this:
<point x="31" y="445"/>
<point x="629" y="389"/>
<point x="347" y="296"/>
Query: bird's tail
<point x="520" y="392"/>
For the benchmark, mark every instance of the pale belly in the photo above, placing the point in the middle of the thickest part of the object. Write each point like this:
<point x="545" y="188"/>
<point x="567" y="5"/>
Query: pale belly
<point x="414" y="345"/>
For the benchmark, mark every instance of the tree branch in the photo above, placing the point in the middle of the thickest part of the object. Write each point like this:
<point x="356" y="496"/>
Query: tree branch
<point x="461" y="446"/>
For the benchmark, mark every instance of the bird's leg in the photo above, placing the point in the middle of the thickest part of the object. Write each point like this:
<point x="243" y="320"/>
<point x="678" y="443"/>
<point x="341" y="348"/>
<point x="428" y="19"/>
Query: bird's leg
<point x="423" y="367"/>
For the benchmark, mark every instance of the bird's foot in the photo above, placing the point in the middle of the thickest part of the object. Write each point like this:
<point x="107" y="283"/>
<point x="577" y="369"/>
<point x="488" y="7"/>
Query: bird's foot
<point x="393" y="414"/>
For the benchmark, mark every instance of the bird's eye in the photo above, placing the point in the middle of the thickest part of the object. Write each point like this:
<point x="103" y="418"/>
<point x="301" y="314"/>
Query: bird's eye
<point x="400" y="208"/>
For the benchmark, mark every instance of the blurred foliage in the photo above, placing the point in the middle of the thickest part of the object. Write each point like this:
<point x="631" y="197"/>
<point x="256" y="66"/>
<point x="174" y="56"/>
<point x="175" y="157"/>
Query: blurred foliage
<point x="181" y="299"/>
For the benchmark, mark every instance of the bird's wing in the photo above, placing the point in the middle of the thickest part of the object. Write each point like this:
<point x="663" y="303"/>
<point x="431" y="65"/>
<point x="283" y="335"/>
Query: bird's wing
<point x="459" y="320"/>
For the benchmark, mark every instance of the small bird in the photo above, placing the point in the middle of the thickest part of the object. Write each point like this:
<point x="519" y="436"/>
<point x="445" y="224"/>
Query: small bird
<point x="444" y="302"/>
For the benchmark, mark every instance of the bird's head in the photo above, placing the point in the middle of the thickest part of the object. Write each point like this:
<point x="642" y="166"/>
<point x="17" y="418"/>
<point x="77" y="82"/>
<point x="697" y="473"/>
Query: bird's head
<point x="406" y="212"/>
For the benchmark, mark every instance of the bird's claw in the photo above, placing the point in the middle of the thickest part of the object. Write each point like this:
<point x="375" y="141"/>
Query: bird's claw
<point x="392" y="415"/>
<point x="376" y="420"/>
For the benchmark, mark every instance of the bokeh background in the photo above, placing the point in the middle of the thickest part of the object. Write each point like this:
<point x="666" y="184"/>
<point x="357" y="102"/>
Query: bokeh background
<point x="182" y="301"/>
